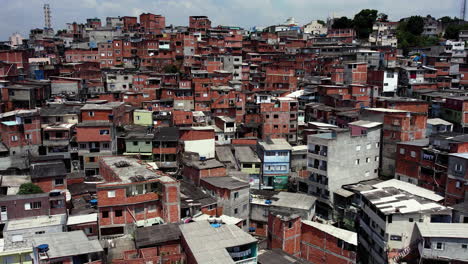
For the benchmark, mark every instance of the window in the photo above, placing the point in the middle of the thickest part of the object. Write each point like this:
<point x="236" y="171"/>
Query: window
<point x="88" y="230"/>
<point x="290" y="224"/>
<point x="275" y="116"/>
<point x="367" y="160"/>
<point x="33" y="205"/>
<point x="39" y="232"/>
<point x="236" y="210"/>
<point x="27" y="136"/>
<point x="58" y="182"/>
<point x="458" y="185"/>
<point x="92" y="159"/>
<point x="110" y="194"/>
<point x="104" y="132"/>
<point x="27" y="121"/>
<point x="413" y="154"/>
<point x="139" y="210"/>
<point x="135" y="143"/>
<point x="90" y="113"/>
<point x="411" y="220"/>
<point x="105" y="214"/>
<point x="357" y="161"/>
<point x="151" y="208"/>
<point x="377" y="144"/>
<point x="464" y="246"/>
<point x="376" y="158"/>
<point x="368" y="146"/>
<point x="105" y="145"/>
<point x="458" y="167"/>
<point x="358" y="148"/>
<point x="395" y="238"/>
<point x="440" y="246"/>
<point x="236" y="195"/>
<point x="367" y="174"/>
<point x="118" y="213"/>
<point x="14" y="138"/>
<point x="402" y="151"/>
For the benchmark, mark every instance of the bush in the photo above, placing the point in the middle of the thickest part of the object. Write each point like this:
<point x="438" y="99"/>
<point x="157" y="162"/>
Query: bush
<point x="29" y="188"/>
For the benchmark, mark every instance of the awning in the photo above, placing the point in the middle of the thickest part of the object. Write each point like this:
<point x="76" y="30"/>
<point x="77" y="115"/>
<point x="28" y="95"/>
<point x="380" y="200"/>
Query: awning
<point x="344" y="193"/>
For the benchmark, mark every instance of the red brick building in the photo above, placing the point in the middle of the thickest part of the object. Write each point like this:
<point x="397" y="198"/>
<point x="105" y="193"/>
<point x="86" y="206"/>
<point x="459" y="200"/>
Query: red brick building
<point x="312" y="241"/>
<point x="134" y="194"/>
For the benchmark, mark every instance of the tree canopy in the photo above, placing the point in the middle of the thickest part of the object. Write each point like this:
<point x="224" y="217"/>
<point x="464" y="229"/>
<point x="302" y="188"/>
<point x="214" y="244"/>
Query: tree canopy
<point x="342" y="22"/>
<point x="29" y="188"/>
<point x="363" y="22"/>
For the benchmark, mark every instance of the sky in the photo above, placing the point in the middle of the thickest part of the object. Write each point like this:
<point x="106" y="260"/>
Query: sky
<point x="23" y="15"/>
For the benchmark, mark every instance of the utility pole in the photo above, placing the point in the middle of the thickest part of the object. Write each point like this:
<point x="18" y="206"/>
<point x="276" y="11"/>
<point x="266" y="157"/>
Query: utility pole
<point x="463" y="10"/>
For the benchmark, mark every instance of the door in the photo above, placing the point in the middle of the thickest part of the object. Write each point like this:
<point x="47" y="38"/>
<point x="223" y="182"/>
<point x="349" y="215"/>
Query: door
<point x="3" y="213"/>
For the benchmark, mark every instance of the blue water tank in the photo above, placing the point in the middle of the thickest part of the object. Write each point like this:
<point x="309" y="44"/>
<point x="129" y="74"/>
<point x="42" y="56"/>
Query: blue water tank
<point x="267" y="201"/>
<point x="43" y="248"/>
<point x="93" y="202"/>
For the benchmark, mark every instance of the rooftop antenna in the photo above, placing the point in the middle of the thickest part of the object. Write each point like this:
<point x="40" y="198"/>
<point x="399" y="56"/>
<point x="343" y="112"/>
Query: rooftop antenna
<point x="463" y="10"/>
<point x="47" y="23"/>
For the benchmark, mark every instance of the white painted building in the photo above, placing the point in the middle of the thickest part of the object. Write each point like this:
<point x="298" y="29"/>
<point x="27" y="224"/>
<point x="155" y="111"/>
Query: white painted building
<point x="390" y="211"/>
<point x="315" y="28"/>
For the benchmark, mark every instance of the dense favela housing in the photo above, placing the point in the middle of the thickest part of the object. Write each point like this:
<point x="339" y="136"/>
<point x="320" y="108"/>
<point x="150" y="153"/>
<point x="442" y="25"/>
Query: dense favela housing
<point x="132" y="140"/>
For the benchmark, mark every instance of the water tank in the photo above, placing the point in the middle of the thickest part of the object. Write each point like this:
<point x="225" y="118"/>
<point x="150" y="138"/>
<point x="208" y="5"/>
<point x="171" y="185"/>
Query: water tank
<point x="43" y="248"/>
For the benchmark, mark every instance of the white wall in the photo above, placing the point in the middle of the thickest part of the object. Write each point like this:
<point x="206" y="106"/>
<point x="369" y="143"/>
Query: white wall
<point x="204" y="147"/>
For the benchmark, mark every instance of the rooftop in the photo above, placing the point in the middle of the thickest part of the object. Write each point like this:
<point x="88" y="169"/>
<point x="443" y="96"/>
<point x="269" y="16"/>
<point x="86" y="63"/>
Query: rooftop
<point x="398" y="197"/>
<point x="226" y="182"/>
<point x="208" y="244"/>
<point x="67" y="244"/>
<point x="284" y="199"/>
<point x="275" y="144"/>
<point x="366" y="124"/>
<point x="106" y="106"/>
<point x="278" y="256"/>
<point x="203" y="165"/>
<point x="446" y="230"/>
<point x="438" y="121"/>
<point x="130" y="170"/>
<point x="345" y="235"/>
<point x="35" y="222"/>
<point x="48" y="169"/>
<point x="246" y="154"/>
<point x="157" y="234"/>
<point x="82" y="219"/>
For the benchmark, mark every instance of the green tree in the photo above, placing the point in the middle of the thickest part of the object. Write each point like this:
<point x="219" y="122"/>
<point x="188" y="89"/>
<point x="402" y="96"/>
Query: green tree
<point x="453" y="30"/>
<point x="342" y="22"/>
<point x="363" y="22"/>
<point x="415" y="25"/>
<point x="29" y="188"/>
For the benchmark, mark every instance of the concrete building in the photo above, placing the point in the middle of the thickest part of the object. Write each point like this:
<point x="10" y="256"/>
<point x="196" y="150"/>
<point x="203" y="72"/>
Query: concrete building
<point x="199" y="140"/>
<point x="356" y="151"/>
<point x="18" y="235"/>
<point x="315" y="28"/>
<point x="206" y="244"/>
<point x="264" y="202"/>
<point x="447" y="242"/>
<point x="437" y="125"/>
<point x="82" y="249"/>
<point x="390" y="211"/>
<point x="457" y="181"/>
<point x="232" y="195"/>
<point x="398" y="126"/>
<point x="275" y="155"/>
<point x="248" y="162"/>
